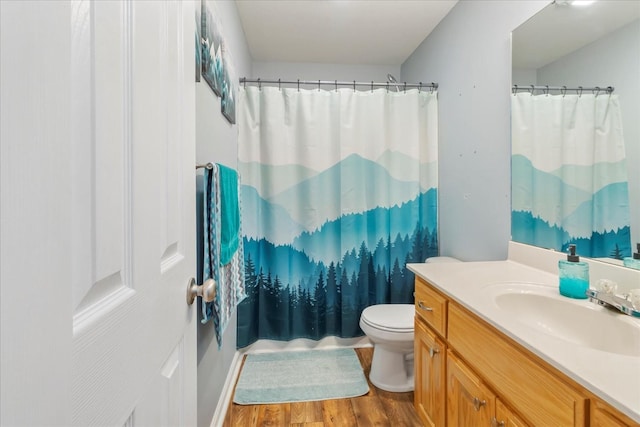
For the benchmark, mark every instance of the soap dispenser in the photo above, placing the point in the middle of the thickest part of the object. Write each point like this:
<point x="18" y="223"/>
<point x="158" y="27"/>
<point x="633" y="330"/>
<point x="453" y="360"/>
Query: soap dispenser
<point x="633" y="262"/>
<point x="574" y="275"/>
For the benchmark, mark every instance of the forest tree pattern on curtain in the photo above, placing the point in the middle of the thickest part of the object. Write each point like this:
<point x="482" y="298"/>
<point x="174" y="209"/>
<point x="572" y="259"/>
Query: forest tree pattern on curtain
<point x="339" y="192"/>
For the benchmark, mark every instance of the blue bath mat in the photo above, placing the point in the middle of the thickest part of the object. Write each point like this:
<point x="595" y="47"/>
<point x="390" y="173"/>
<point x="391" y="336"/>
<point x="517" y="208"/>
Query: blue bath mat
<point x="299" y="376"/>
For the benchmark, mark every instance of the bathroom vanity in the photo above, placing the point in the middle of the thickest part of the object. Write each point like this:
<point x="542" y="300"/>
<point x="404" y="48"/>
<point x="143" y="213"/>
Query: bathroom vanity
<point x="496" y="345"/>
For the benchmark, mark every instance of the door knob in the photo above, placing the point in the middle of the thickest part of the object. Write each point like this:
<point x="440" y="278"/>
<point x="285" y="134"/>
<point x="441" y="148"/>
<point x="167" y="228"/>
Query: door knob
<point x="477" y="403"/>
<point x="433" y="351"/>
<point x="207" y="290"/>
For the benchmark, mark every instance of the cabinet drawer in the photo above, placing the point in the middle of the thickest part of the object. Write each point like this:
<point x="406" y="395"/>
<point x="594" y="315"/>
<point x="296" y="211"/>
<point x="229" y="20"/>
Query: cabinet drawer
<point x="431" y="306"/>
<point x="531" y="388"/>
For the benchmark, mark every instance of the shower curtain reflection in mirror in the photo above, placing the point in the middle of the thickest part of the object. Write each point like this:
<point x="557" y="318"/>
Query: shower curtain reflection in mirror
<point x="569" y="183"/>
<point x="339" y="192"/>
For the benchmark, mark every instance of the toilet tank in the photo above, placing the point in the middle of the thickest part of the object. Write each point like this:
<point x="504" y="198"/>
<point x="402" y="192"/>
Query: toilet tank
<point x="436" y="259"/>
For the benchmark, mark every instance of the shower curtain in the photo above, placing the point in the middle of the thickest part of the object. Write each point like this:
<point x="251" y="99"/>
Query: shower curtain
<point x="339" y="190"/>
<point x="569" y="176"/>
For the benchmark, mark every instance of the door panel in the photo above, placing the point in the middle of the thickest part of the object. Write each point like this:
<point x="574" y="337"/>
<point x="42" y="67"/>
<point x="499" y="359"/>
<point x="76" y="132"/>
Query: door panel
<point x="430" y="392"/>
<point x="469" y="401"/>
<point x="102" y="180"/>
<point x="114" y="222"/>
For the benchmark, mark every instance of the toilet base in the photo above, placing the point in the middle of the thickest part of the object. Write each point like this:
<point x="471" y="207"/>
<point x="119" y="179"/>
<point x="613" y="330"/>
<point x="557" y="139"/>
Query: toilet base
<point x="391" y="371"/>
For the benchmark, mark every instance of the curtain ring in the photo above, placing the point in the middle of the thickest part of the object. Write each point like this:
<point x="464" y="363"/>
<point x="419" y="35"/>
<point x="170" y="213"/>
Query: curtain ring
<point x="318" y="85"/>
<point x="514" y="89"/>
<point x="432" y="87"/>
<point x="279" y="84"/>
<point x="298" y="85"/>
<point x="244" y="82"/>
<point x="371" y="86"/>
<point x="420" y="87"/>
<point x="354" y="86"/>
<point x="259" y="84"/>
<point x="405" y="87"/>
<point x="336" y="85"/>
<point x="579" y="91"/>
<point x="532" y="89"/>
<point x="387" y="86"/>
<point x="597" y="91"/>
<point x="563" y="91"/>
<point x="547" y="90"/>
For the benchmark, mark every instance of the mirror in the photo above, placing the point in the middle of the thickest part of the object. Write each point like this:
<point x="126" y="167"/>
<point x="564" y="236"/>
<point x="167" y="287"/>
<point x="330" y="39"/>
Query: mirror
<point x="588" y="44"/>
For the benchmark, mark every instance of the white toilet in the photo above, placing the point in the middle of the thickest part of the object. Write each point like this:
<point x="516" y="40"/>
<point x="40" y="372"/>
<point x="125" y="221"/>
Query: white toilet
<point x="390" y="328"/>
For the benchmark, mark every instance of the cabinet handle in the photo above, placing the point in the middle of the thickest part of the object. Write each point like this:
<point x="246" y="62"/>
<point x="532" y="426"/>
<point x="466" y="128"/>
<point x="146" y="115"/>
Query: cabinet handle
<point x="477" y="403"/>
<point x="433" y="351"/>
<point x="424" y="307"/>
<point x="496" y="423"/>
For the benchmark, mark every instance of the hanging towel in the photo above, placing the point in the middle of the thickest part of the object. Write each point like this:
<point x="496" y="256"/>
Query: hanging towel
<point x="229" y="214"/>
<point x="229" y="275"/>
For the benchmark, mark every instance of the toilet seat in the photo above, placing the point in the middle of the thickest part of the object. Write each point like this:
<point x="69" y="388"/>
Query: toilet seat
<point x="396" y="318"/>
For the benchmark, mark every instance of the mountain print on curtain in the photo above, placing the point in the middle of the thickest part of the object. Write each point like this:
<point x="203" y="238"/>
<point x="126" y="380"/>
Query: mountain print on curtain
<point x="312" y="274"/>
<point x="569" y="176"/>
<point x="323" y="243"/>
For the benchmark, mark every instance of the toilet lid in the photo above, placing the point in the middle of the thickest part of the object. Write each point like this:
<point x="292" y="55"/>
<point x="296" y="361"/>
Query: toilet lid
<point x="390" y="317"/>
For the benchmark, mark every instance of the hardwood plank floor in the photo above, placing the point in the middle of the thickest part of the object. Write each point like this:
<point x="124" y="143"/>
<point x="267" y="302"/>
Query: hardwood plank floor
<point x="376" y="408"/>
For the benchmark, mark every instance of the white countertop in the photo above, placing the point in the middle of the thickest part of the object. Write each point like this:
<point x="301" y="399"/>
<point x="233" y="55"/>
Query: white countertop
<point x="613" y="377"/>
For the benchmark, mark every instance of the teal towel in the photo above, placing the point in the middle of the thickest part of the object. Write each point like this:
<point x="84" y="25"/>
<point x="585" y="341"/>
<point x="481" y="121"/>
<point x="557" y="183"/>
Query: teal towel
<point x="229" y="214"/>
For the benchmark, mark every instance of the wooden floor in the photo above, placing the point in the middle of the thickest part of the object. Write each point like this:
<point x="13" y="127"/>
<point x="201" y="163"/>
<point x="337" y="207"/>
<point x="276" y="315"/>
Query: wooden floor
<point x="376" y="408"/>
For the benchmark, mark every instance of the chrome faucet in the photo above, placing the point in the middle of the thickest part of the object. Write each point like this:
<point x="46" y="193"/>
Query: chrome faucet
<point x="613" y="301"/>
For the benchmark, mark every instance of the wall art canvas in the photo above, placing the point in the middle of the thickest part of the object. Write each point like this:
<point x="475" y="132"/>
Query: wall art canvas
<point x="198" y="41"/>
<point x="228" y="103"/>
<point x="212" y="68"/>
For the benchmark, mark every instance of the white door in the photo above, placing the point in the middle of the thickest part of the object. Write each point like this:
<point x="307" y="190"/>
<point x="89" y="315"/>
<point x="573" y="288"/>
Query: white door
<point x="97" y="213"/>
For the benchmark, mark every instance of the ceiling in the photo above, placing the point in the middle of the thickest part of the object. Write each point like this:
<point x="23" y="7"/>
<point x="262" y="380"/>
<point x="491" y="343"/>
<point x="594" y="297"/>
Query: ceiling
<point x="562" y="27"/>
<point x="362" y="32"/>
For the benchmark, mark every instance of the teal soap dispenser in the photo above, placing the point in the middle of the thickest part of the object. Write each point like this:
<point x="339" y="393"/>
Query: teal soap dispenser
<point x="574" y="275"/>
<point x="633" y="262"/>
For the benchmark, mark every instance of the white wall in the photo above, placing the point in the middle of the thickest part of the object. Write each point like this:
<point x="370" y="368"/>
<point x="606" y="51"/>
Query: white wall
<point x="217" y="141"/>
<point x="613" y="60"/>
<point x="469" y="56"/>
<point x="524" y="76"/>
<point x="315" y="71"/>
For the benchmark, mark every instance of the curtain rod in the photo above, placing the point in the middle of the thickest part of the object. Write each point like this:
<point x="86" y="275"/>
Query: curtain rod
<point x="404" y="86"/>
<point x="562" y="89"/>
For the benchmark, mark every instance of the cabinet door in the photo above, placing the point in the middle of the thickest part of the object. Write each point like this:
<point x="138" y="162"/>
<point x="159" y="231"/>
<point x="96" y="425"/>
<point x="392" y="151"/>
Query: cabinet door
<point x="469" y="401"/>
<point x="602" y="415"/>
<point x="505" y="417"/>
<point x="429" y="391"/>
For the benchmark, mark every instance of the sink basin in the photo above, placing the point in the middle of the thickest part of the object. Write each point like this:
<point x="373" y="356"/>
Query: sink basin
<point x="580" y="322"/>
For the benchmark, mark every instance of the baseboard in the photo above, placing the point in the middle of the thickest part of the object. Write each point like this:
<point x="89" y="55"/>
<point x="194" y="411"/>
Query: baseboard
<point x="227" y="390"/>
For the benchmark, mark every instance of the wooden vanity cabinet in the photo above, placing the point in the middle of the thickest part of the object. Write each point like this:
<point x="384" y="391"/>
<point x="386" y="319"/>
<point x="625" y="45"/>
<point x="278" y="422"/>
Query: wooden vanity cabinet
<point x="429" y="370"/>
<point x="467" y="373"/>
<point x="529" y="387"/>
